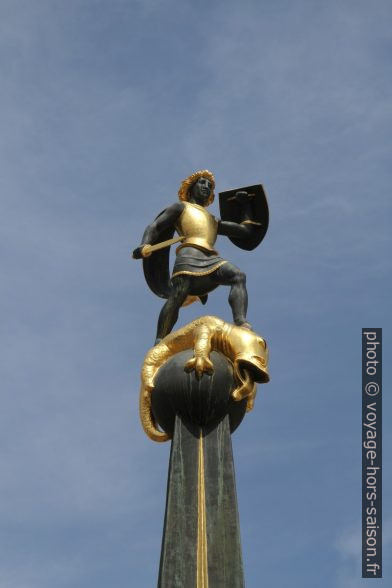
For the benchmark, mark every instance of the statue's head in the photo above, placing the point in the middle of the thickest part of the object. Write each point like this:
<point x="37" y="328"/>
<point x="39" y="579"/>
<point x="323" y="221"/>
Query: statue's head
<point x="198" y="187"/>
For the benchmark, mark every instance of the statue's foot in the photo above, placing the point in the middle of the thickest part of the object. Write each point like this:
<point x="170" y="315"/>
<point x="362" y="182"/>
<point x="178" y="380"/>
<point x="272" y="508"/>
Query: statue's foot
<point x="246" y="325"/>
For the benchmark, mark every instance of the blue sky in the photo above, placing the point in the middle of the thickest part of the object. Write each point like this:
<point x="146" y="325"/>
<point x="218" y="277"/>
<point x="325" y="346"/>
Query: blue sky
<point x="105" y="107"/>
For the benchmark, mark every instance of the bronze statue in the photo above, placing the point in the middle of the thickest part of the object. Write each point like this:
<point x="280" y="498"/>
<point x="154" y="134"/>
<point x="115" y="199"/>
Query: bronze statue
<point x="198" y="382"/>
<point x="198" y="268"/>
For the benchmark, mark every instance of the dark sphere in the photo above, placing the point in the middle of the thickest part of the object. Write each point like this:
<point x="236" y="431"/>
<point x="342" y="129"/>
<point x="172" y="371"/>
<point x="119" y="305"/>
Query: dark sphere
<point x="200" y="402"/>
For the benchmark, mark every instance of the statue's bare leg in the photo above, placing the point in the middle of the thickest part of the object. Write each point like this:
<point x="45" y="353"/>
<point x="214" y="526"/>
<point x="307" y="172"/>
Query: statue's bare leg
<point x="169" y="313"/>
<point x="230" y="275"/>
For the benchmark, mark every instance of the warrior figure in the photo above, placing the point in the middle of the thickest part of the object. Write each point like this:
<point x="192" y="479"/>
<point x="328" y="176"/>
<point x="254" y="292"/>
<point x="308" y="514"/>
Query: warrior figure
<point x="198" y="268"/>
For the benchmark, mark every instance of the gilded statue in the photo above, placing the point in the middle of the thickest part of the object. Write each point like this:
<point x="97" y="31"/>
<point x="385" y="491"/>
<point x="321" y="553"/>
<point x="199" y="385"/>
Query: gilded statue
<point x="247" y="352"/>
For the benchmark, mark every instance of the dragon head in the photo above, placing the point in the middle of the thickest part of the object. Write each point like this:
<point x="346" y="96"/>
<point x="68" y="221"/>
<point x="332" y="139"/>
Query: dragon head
<point x="250" y="362"/>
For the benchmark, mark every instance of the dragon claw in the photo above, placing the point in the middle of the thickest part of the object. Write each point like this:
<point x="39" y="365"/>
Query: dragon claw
<point x="201" y="365"/>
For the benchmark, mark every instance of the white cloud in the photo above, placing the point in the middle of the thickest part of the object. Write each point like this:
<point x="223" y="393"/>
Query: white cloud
<point x="349" y="547"/>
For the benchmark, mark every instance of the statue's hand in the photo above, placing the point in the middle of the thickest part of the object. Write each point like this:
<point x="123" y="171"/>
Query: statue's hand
<point x="243" y="196"/>
<point x="137" y="253"/>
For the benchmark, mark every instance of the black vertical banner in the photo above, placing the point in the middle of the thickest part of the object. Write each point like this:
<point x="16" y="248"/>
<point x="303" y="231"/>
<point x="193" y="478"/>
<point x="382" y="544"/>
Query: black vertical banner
<point x="371" y="453"/>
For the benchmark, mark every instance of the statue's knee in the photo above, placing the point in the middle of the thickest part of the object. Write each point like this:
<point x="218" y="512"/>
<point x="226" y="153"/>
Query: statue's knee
<point x="177" y="298"/>
<point x="240" y="278"/>
<point x="174" y="302"/>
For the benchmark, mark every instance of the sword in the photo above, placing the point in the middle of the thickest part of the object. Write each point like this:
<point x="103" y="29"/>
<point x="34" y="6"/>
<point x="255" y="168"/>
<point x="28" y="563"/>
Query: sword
<point x="148" y="249"/>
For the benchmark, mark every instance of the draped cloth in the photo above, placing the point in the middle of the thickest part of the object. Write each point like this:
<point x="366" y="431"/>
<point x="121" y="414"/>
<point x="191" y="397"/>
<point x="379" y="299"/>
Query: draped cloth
<point x="196" y="262"/>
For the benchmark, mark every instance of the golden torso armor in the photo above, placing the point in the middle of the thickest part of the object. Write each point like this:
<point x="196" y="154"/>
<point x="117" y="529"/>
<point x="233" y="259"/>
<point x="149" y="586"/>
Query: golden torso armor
<point x="198" y="226"/>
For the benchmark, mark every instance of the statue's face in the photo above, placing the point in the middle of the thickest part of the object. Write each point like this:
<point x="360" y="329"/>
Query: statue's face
<point x="201" y="191"/>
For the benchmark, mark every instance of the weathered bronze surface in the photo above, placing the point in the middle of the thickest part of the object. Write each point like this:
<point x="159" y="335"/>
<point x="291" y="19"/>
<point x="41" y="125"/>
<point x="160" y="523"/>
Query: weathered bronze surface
<point x="201" y="545"/>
